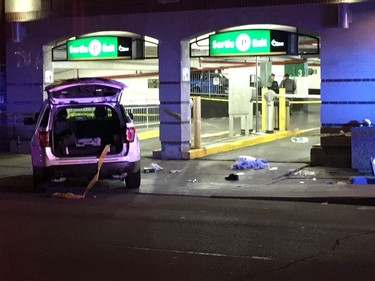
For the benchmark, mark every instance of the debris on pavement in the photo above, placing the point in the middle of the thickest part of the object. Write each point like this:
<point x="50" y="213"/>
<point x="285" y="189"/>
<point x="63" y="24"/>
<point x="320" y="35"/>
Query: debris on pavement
<point x="149" y="170"/>
<point x="156" y="167"/>
<point x="95" y="179"/>
<point x="152" y="168"/>
<point x="304" y="173"/>
<point x="67" y="195"/>
<point x="175" y="171"/>
<point x="341" y="183"/>
<point x="232" y="177"/>
<point x="363" y="180"/>
<point x="299" y="139"/>
<point x="249" y="162"/>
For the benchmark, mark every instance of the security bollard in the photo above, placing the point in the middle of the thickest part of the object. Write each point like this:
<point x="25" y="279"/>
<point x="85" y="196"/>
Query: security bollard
<point x="283" y="114"/>
<point x="269" y="96"/>
<point x="287" y="115"/>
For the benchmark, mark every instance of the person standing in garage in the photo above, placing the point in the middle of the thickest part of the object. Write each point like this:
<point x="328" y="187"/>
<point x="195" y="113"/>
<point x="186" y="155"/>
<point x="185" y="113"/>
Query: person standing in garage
<point x="289" y="84"/>
<point x="290" y="87"/>
<point x="274" y="85"/>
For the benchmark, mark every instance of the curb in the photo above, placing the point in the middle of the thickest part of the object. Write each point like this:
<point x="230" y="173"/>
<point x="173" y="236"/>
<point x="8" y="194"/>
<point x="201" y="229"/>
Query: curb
<point x="232" y="145"/>
<point x="342" y="200"/>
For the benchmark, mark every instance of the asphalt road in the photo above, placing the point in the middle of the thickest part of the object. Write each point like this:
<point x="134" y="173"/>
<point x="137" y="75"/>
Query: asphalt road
<point x="147" y="237"/>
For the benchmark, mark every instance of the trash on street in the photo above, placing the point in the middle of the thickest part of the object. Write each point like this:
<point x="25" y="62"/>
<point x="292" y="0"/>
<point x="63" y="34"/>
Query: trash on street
<point x="249" y="162"/>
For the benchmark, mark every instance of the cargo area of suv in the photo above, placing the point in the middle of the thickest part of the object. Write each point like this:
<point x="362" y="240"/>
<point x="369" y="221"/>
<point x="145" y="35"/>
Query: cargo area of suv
<point x="85" y="131"/>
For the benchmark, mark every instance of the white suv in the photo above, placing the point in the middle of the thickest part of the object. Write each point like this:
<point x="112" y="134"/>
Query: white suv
<point x="78" y="120"/>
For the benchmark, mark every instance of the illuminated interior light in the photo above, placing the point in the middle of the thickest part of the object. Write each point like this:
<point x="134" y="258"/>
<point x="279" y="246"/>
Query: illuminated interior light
<point x="21" y="6"/>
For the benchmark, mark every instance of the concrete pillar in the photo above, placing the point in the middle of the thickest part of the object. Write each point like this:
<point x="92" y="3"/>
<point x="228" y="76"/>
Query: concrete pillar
<point x="4" y="146"/>
<point x="48" y="76"/>
<point x="174" y="95"/>
<point x="2" y="52"/>
<point x="24" y="86"/>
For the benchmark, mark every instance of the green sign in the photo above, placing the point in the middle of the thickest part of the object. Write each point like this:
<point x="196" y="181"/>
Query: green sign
<point x="248" y="42"/>
<point x="104" y="47"/>
<point x="297" y="69"/>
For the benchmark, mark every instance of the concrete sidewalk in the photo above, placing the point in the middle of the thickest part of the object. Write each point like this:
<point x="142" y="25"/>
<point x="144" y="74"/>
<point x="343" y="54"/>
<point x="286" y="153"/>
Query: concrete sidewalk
<point x="280" y="181"/>
<point x="288" y="177"/>
<point x="206" y="178"/>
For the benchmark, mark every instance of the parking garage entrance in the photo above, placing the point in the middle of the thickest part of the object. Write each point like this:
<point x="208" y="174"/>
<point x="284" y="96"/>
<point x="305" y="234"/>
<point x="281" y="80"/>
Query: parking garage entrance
<point x="232" y="69"/>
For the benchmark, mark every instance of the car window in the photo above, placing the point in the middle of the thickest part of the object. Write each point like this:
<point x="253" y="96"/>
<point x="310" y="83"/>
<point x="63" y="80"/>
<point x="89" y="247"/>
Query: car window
<point x="45" y="117"/>
<point x="125" y="113"/>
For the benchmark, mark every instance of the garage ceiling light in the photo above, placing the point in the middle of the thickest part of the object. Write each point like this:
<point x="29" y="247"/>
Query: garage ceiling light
<point x="19" y="6"/>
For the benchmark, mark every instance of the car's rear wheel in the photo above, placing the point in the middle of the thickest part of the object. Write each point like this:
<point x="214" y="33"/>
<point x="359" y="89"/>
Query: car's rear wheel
<point x="40" y="182"/>
<point x="133" y="180"/>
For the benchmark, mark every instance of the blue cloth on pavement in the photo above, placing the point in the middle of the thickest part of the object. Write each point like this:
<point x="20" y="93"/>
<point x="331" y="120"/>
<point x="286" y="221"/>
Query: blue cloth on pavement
<point x="249" y="162"/>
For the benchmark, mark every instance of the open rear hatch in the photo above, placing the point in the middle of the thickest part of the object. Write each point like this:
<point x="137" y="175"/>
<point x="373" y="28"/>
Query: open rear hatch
<point x="85" y="90"/>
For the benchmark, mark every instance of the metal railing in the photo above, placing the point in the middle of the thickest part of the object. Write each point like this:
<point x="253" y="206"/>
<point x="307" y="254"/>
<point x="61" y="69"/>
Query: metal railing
<point x="144" y="115"/>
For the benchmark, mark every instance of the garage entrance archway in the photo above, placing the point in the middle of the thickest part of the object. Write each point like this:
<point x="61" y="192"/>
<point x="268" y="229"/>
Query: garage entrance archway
<point x="123" y="55"/>
<point x="238" y="55"/>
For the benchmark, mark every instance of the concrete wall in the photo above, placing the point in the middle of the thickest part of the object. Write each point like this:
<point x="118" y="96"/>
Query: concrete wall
<point x="348" y="73"/>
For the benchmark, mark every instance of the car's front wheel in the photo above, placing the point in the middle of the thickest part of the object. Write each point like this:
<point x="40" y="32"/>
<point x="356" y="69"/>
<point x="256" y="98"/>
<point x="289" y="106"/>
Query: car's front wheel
<point x="133" y="180"/>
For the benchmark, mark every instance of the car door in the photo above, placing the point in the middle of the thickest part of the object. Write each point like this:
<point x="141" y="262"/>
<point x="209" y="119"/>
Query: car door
<point x="41" y="137"/>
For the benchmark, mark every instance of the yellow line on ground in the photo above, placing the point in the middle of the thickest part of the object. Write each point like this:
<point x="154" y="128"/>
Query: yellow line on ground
<point x="155" y="133"/>
<point x="148" y="134"/>
<point x="216" y="99"/>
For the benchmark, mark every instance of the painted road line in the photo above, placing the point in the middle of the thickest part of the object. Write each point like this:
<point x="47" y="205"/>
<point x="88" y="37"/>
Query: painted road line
<point x="148" y="134"/>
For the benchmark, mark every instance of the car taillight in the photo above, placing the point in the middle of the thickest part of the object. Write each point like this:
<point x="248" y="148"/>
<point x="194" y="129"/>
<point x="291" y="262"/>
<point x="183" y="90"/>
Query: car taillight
<point x="130" y="134"/>
<point x="43" y="138"/>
